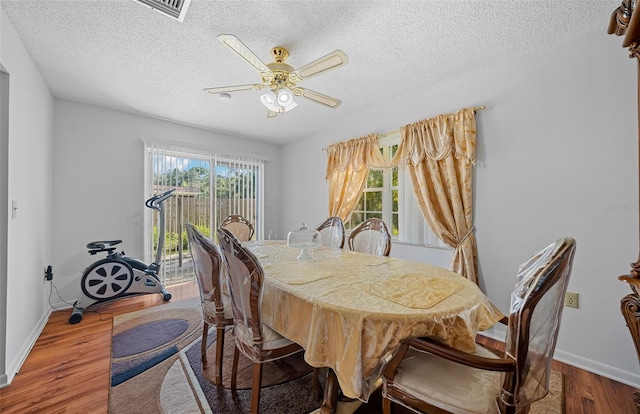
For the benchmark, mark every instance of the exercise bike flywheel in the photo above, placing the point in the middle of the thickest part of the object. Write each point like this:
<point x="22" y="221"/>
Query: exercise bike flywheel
<point x="107" y="279"/>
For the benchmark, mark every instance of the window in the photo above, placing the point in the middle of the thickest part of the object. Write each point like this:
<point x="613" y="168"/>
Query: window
<point x="209" y="187"/>
<point x="388" y="195"/>
<point x="380" y="196"/>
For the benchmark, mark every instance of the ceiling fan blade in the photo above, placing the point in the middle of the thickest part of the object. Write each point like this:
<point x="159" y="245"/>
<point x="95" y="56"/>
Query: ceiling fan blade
<point x="224" y="89"/>
<point x="318" y="97"/>
<point x="333" y="60"/>
<point x="244" y="52"/>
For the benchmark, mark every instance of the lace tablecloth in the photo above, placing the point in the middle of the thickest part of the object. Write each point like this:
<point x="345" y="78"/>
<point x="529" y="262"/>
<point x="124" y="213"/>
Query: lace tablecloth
<point x="350" y="310"/>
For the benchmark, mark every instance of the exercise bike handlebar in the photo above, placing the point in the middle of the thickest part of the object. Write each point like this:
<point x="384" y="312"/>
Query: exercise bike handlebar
<point x="155" y="201"/>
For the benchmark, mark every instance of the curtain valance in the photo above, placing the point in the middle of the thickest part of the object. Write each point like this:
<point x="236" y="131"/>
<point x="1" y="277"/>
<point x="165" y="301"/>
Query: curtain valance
<point x="356" y="154"/>
<point x="437" y="138"/>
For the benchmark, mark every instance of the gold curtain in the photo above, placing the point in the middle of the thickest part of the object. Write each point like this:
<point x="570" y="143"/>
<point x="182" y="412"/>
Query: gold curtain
<point x="347" y="171"/>
<point x="439" y="154"/>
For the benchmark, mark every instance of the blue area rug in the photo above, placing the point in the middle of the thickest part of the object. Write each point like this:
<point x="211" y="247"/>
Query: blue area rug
<point x="147" y="336"/>
<point x="141" y="347"/>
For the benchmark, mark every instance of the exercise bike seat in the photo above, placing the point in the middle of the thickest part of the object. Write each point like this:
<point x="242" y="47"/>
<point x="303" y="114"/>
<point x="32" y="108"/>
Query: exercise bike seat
<point x="102" y="245"/>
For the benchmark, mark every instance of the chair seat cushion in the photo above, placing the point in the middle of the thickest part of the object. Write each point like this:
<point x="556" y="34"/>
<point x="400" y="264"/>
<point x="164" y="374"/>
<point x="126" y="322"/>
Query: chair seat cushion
<point x="447" y="385"/>
<point x="271" y="339"/>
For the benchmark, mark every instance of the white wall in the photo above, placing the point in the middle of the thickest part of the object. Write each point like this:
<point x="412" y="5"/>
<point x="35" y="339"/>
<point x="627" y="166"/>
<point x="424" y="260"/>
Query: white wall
<point x="557" y="156"/>
<point x="29" y="183"/>
<point x="98" y="190"/>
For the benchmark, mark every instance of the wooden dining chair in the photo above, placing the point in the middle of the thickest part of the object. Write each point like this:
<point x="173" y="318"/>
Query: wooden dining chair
<point x="371" y="236"/>
<point x="332" y="232"/>
<point x="216" y="305"/>
<point x="425" y="373"/>
<point x="239" y="226"/>
<point x="254" y="339"/>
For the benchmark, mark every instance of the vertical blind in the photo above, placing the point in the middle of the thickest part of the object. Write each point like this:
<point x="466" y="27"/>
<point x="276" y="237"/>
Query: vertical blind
<point x="208" y="187"/>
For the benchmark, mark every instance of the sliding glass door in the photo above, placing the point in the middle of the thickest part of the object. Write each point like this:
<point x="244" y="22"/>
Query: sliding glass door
<point x="208" y="187"/>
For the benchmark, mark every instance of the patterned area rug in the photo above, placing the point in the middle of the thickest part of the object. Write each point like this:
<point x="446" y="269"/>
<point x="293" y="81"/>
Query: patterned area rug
<point x="553" y="403"/>
<point x="156" y="368"/>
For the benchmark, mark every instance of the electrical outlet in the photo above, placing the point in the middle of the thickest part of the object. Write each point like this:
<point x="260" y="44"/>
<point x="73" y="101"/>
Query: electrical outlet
<point x="571" y="299"/>
<point x="48" y="273"/>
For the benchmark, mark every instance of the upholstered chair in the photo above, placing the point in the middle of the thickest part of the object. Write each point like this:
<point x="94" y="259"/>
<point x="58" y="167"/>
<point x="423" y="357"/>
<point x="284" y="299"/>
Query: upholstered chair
<point x="254" y="339"/>
<point x="239" y="226"/>
<point x="425" y="373"/>
<point x="216" y="305"/>
<point x="332" y="232"/>
<point x="371" y="236"/>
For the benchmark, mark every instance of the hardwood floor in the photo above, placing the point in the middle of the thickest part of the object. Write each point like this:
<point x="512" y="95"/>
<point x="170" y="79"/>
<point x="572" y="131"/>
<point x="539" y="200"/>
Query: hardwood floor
<point x="68" y="369"/>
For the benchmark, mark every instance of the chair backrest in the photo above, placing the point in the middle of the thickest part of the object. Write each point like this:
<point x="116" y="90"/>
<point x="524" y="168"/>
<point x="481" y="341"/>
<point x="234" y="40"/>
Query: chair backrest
<point x="245" y="286"/>
<point x="207" y="265"/>
<point x="534" y="321"/>
<point x="371" y="236"/>
<point x="239" y="226"/>
<point x="332" y="232"/>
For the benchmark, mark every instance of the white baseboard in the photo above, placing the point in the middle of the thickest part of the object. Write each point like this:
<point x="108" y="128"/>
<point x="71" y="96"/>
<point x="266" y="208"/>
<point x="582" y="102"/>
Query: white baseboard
<point x="625" y="377"/>
<point x="61" y="306"/>
<point x="14" y="367"/>
<point x="631" y="379"/>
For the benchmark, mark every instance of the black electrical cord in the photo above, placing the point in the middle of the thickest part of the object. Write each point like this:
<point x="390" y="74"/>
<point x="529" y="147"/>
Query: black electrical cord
<point x="53" y="286"/>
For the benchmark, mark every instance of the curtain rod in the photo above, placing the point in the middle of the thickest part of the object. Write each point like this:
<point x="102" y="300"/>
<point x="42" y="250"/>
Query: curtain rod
<point x="475" y="109"/>
<point x="395" y="131"/>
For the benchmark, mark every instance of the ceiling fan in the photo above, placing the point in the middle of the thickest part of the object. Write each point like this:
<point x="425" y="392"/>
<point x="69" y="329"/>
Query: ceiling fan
<point x="279" y="79"/>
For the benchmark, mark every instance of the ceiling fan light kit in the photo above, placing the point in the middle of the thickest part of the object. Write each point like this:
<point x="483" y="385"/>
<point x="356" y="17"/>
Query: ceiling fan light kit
<point x="281" y="79"/>
<point x="280" y="103"/>
<point x="285" y="97"/>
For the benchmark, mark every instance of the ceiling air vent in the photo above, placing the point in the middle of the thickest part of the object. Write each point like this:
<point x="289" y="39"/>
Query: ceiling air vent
<point x="176" y="9"/>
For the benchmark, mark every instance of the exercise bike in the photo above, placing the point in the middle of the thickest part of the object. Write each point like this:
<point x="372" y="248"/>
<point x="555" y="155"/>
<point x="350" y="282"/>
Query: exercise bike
<point x="119" y="275"/>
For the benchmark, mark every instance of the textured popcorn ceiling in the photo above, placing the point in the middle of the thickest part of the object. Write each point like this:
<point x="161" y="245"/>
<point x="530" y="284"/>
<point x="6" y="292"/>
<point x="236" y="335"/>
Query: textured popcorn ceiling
<point x="120" y="54"/>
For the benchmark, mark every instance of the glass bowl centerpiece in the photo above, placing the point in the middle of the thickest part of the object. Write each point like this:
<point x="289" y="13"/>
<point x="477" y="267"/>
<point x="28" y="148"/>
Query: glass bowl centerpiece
<point x="304" y="239"/>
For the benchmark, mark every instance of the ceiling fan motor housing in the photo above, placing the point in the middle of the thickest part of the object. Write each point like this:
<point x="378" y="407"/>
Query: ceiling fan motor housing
<point x="280" y="54"/>
<point x="280" y="78"/>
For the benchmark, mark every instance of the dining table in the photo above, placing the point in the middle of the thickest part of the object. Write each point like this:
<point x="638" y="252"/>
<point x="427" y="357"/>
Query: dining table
<point x="350" y="310"/>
